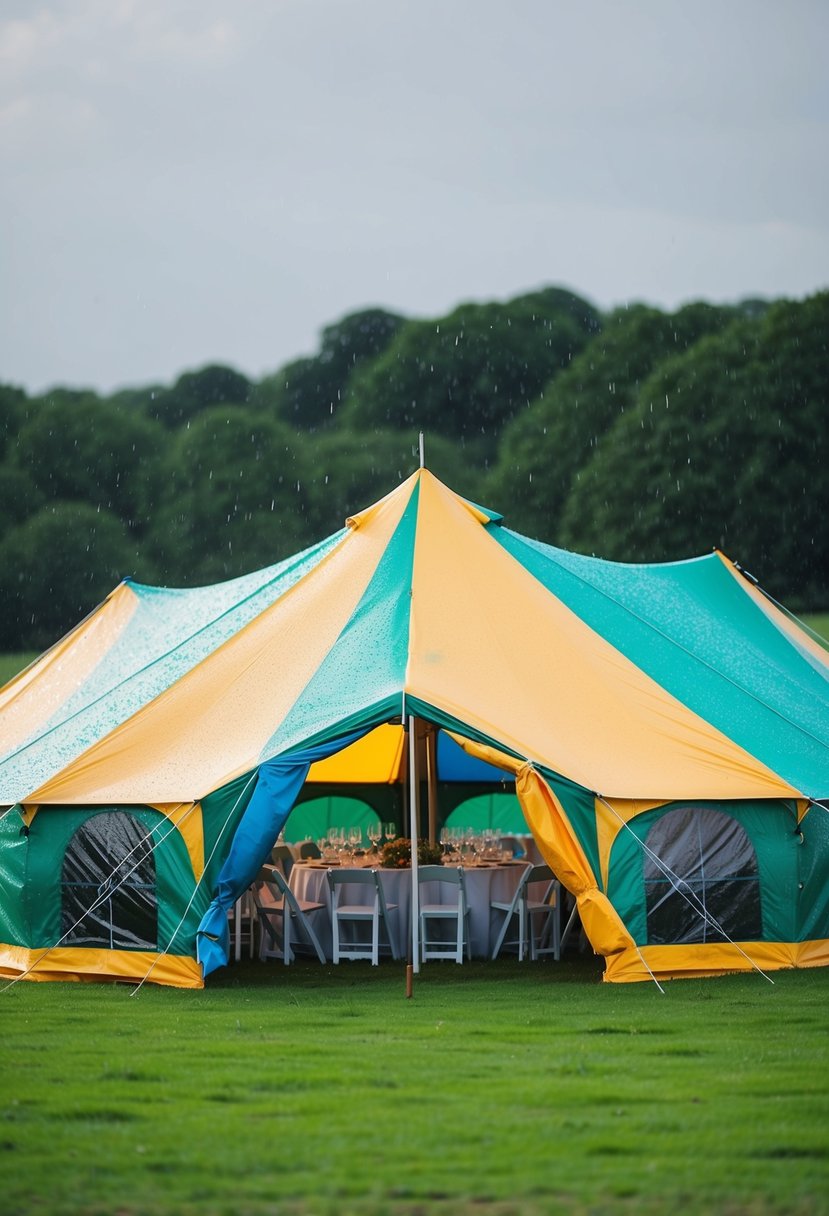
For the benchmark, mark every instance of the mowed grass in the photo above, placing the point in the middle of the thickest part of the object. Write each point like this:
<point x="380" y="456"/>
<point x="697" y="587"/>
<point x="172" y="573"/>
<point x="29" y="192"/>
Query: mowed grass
<point x="498" y="1089"/>
<point x="819" y="621"/>
<point x="12" y="664"/>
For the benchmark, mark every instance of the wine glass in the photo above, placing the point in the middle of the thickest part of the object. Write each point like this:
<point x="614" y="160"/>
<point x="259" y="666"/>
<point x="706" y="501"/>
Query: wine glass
<point x="390" y="831"/>
<point x="446" y="842"/>
<point x="355" y="842"/>
<point x="375" y="831"/>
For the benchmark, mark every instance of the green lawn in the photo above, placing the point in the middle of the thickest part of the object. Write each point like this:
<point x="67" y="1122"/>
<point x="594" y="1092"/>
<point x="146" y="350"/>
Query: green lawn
<point x="11" y="664"/>
<point x="499" y="1089"/>
<point x="819" y="621"/>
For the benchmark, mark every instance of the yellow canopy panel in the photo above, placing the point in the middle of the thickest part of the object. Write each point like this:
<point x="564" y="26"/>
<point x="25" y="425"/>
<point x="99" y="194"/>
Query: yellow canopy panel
<point x="378" y="758"/>
<point x="213" y="724"/>
<point x="550" y="687"/>
<point x="29" y="702"/>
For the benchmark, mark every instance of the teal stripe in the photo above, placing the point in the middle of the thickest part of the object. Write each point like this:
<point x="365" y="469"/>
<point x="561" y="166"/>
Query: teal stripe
<point x="692" y="629"/>
<point x="362" y="676"/>
<point x="170" y="632"/>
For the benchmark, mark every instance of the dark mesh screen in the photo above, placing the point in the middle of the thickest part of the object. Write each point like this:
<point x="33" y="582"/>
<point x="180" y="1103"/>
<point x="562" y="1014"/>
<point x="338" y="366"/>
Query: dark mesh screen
<point x="713" y="878"/>
<point x="109" y="864"/>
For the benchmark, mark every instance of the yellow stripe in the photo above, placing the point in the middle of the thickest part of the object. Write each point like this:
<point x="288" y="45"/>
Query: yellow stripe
<point x="716" y="958"/>
<point x="560" y="848"/>
<point x="494" y="648"/>
<point x="375" y="759"/>
<point x="213" y="724"/>
<point x="31" y="700"/>
<point x="72" y="963"/>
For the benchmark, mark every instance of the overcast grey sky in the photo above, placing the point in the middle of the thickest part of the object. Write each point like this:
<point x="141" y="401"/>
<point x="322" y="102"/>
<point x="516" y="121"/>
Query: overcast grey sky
<point x="189" y="181"/>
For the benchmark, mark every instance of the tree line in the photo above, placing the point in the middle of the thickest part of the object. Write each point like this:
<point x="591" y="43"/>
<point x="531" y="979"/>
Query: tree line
<point x="638" y="435"/>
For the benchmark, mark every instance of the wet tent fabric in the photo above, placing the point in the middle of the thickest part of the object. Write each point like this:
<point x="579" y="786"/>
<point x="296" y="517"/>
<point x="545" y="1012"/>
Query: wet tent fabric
<point x="375" y="619"/>
<point x="140" y="641"/>
<point x="644" y="685"/>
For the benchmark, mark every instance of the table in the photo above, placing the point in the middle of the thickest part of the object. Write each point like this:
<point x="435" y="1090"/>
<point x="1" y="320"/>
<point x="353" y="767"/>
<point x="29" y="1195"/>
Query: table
<point x="483" y="884"/>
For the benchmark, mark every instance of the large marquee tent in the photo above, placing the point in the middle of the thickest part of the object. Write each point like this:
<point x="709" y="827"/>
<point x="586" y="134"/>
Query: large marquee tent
<point x="666" y="727"/>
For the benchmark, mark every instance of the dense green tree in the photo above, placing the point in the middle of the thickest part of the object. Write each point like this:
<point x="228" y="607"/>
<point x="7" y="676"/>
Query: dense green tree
<point x="234" y="497"/>
<point x="83" y="448"/>
<point x="466" y="375"/>
<point x="640" y="436"/>
<point x="12" y="412"/>
<point x="55" y="567"/>
<point x="19" y="496"/>
<point x="548" y="442"/>
<point x="196" y="391"/>
<point x="307" y="392"/>
<point x="139" y="400"/>
<point x="726" y="446"/>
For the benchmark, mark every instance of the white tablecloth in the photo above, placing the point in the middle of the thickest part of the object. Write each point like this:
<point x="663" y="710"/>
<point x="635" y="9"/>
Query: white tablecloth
<point x="483" y="884"/>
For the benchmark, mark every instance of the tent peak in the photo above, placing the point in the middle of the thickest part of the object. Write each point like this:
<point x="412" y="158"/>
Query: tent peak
<point x="484" y="515"/>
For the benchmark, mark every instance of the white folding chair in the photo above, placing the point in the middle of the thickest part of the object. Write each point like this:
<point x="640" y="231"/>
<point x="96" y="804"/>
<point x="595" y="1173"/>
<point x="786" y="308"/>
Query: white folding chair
<point x="432" y="914"/>
<point x="277" y="908"/>
<point x="375" y="912"/>
<point x="242" y="918"/>
<point x="538" y="920"/>
<point x="282" y="856"/>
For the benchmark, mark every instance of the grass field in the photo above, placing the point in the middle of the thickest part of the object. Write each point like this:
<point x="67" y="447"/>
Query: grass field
<point x="499" y="1089"/>
<point x="819" y="621"/>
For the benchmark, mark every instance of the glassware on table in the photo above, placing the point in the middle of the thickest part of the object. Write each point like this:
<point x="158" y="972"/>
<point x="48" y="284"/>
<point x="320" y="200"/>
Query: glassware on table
<point x="335" y="844"/>
<point x="390" y="831"/>
<point x="355" y="842"/>
<point x="470" y="847"/>
<point x="375" y="832"/>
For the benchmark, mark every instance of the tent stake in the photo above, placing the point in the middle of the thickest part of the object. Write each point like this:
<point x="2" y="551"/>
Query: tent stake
<point x="409" y="980"/>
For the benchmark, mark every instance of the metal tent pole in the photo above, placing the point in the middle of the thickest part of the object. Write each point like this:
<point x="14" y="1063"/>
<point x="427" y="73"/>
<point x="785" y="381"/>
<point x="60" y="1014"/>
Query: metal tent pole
<point x="413" y="817"/>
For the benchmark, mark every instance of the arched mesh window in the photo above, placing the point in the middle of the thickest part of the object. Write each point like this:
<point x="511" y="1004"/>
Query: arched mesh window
<point x="712" y="868"/>
<point x="109" y="864"/>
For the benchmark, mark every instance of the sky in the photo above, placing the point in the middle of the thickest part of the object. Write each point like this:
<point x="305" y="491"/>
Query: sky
<point x="185" y="182"/>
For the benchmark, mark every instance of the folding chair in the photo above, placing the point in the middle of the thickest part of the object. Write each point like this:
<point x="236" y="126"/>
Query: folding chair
<point x="374" y="913"/>
<point x="242" y="918"/>
<point x="277" y="906"/>
<point x="282" y="857"/>
<point x="539" y="920"/>
<point x="457" y="912"/>
<point x="308" y="848"/>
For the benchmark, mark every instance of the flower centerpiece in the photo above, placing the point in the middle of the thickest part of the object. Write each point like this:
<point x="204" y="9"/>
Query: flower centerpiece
<point x="397" y="853"/>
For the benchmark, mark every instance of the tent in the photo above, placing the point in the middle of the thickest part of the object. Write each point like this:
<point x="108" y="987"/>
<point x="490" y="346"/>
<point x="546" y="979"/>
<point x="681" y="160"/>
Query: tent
<point x="666" y="726"/>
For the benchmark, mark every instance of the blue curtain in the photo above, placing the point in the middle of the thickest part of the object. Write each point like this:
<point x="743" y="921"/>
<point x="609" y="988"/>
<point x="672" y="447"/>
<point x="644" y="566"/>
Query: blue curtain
<point x="277" y="786"/>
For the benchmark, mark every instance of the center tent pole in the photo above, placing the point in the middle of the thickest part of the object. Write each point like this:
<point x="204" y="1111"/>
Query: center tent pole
<point x="432" y="780"/>
<point x="413" y="823"/>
